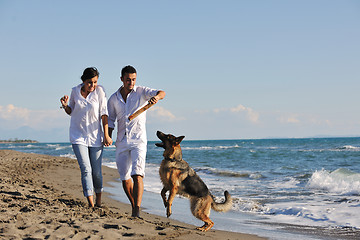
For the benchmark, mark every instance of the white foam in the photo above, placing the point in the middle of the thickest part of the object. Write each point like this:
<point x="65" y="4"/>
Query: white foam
<point x="349" y="147"/>
<point x="210" y="148"/>
<point x="340" y="181"/>
<point x="68" y="155"/>
<point x="52" y="145"/>
<point x="316" y="212"/>
<point x="152" y="181"/>
<point x="289" y="183"/>
<point x="59" y="148"/>
<point x="110" y="164"/>
<point x="335" y="201"/>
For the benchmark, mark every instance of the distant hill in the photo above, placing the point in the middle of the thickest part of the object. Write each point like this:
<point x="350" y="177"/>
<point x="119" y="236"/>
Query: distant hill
<point x="18" y="141"/>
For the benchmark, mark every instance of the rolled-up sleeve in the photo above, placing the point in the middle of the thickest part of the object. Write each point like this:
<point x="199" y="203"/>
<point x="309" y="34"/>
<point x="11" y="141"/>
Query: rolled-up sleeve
<point x="149" y="92"/>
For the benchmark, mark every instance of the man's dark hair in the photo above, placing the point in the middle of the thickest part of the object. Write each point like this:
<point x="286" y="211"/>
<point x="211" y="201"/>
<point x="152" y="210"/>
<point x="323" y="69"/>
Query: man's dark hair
<point x="128" y="69"/>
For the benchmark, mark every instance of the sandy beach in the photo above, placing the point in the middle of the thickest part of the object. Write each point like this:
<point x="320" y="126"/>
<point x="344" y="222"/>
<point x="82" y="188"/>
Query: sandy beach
<point x="41" y="198"/>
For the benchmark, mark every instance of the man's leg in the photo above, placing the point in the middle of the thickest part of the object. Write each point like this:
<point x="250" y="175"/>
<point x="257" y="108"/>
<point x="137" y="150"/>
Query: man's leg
<point x="138" y="191"/>
<point x="128" y="189"/>
<point x="123" y="163"/>
<point x="138" y="156"/>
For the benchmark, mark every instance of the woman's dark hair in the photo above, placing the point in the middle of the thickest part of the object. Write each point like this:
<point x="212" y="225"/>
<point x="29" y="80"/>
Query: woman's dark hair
<point x="128" y="69"/>
<point x="89" y="73"/>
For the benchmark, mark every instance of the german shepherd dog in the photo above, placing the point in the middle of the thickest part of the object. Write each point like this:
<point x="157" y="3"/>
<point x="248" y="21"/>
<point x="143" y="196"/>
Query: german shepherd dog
<point x="179" y="178"/>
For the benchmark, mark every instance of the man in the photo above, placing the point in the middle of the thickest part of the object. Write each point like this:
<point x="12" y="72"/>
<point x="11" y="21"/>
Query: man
<point x="131" y="139"/>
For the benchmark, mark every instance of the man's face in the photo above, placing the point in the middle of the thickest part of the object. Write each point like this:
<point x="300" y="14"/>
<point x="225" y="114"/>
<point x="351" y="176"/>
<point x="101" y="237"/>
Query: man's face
<point x="129" y="80"/>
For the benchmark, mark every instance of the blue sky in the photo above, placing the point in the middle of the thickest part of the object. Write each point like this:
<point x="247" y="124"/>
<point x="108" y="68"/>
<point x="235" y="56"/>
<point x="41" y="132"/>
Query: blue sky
<point x="231" y="69"/>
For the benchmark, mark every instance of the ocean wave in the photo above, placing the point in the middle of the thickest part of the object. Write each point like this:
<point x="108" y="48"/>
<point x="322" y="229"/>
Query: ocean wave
<point x="228" y="173"/>
<point x="57" y="147"/>
<point x="110" y="164"/>
<point x="68" y="155"/>
<point x="52" y="145"/>
<point x="310" y="213"/>
<point x="345" y="148"/>
<point x="60" y="148"/>
<point x="247" y="205"/>
<point x="315" y="213"/>
<point x="341" y="181"/>
<point x="210" y="148"/>
<point x="30" y="146"/>
<point x="288" y="183"/>
<point x="349" y="147"/>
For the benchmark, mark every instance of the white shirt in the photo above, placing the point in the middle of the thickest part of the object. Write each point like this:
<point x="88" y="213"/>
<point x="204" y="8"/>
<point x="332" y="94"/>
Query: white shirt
<point x="85" y="123"/>
<point x="134" y="131"/>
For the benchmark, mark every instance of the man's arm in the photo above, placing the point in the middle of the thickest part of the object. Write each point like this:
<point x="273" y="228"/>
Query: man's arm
<point x="160" y="95"/>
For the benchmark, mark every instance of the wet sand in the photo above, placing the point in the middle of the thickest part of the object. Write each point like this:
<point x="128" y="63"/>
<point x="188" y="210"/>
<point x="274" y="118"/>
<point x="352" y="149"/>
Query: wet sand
<point x="41" y="198"/>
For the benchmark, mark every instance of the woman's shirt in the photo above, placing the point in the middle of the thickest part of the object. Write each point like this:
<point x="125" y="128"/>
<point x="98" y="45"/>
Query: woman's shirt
<point x="85" y="123"/>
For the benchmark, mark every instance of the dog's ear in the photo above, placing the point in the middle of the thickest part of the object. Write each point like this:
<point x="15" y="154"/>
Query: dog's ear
<point x="179" y="139"/>
<point x="160" y="145"/>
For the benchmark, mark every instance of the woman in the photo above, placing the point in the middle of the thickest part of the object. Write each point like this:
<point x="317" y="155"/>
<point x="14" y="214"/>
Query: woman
<point x="87" y="106"/>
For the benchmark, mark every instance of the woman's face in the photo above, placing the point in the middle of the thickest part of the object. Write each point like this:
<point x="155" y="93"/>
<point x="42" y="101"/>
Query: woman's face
<point x="90" y="84"/>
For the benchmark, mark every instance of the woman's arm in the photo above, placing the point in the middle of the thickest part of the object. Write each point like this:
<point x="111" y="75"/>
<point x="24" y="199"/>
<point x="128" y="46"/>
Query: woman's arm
<point x="107" y="139"/>
<point x="64" y="102"/>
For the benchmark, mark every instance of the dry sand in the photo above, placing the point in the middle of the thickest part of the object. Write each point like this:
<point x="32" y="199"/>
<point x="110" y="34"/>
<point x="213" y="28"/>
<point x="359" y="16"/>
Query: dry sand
<point x="41" y="198"/>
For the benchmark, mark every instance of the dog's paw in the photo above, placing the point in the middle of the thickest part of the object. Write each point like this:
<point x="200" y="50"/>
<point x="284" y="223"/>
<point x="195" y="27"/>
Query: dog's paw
<point x="205" y="227"/>
<point x="168" y="212"/>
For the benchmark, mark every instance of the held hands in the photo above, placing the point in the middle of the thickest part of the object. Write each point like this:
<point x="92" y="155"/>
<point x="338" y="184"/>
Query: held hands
<point x="107" y="140"/>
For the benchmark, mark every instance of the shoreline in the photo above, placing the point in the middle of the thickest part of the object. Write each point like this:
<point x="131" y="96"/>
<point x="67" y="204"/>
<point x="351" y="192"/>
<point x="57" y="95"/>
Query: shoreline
<point x="41" y="197"/>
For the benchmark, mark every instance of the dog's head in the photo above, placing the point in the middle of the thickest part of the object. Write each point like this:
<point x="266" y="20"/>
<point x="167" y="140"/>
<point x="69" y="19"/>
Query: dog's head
<point x="171" y="144"/>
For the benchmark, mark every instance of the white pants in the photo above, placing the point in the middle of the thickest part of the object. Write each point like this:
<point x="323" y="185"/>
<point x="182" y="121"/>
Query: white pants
<point x="130" y="159"/>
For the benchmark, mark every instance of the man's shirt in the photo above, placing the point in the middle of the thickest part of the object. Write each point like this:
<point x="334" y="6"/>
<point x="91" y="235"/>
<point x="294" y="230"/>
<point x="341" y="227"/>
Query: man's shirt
<point x="135" y="130"/>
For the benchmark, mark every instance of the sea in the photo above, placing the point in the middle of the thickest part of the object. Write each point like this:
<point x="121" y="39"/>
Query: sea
<point x="281" y="188"/>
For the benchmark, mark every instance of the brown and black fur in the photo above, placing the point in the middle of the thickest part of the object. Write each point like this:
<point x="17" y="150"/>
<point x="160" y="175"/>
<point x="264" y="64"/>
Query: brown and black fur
<point x="179" y="178"/>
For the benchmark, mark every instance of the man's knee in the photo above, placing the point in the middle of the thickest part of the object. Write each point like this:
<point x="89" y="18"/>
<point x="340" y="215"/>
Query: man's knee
<point x="137" y="178"/>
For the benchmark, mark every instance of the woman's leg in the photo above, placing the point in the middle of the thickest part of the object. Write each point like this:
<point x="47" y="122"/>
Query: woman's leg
<point x="96" y="164"/>
<point x="83" y="158"/>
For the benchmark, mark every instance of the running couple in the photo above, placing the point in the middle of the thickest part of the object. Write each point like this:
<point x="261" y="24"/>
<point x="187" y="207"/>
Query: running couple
<point x="92" y="123"/>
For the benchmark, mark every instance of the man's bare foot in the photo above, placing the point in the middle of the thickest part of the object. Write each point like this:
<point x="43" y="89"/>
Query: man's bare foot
<point x="136" y="212"/>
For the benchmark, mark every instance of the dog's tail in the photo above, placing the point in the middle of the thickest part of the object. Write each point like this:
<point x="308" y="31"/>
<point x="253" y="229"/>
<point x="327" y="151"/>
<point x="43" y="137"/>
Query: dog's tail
<point x="225" y="206"/>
